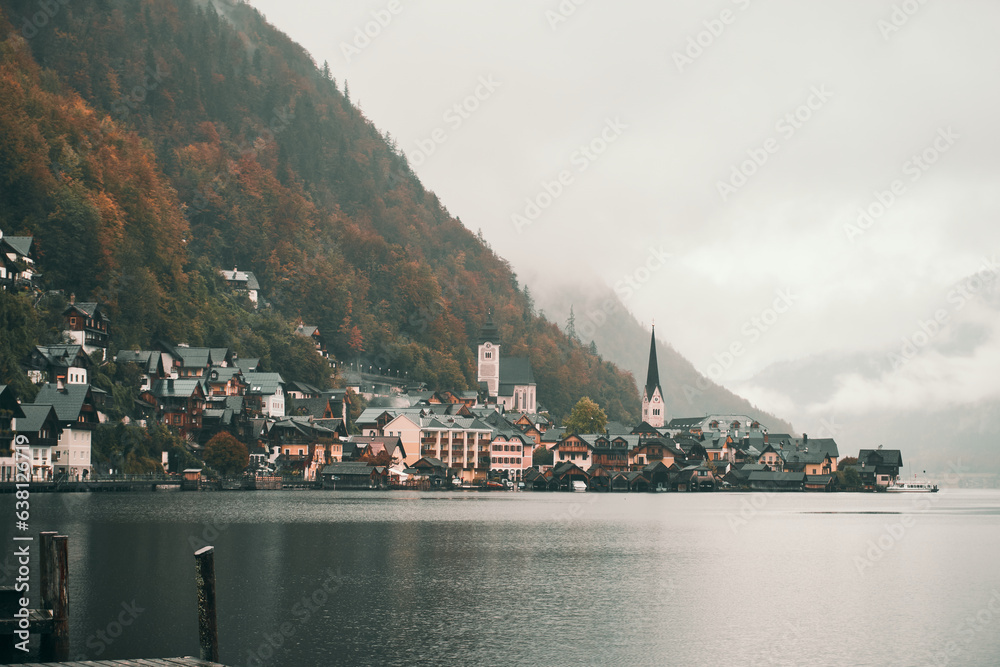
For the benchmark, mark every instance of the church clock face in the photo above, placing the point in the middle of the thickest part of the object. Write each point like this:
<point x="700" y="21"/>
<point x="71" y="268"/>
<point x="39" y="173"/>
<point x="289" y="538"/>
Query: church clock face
<point x="656" y="399"/>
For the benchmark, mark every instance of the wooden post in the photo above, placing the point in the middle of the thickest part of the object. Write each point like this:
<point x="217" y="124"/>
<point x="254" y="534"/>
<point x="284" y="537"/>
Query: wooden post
<point x="46" y="575"/>
<point x="208" y="631"/>
<point x="54" y="579"/>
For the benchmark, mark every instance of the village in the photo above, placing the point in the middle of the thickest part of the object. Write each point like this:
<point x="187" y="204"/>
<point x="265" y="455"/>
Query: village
<point x="496" y="437"/>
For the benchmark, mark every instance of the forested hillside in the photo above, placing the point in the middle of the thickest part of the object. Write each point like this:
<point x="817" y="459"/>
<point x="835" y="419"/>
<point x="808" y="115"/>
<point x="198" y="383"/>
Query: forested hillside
<point x="146" y="145"/>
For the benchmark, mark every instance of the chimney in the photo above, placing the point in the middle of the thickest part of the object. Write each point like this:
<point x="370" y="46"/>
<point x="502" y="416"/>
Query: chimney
<point x="72" y="298"/>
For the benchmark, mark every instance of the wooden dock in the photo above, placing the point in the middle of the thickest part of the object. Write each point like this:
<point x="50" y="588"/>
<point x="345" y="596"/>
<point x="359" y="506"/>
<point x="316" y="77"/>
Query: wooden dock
<point x="147" y="662"/>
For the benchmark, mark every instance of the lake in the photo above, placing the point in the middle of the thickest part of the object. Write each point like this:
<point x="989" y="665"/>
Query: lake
<point x="398" y="578"/>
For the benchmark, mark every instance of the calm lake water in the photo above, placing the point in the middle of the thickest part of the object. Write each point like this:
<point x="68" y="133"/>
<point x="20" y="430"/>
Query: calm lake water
<point x="399" y="578"/>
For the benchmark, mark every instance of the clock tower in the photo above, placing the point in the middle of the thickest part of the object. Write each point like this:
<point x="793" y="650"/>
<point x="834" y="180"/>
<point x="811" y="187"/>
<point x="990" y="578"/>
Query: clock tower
<point x="488" y="359"/>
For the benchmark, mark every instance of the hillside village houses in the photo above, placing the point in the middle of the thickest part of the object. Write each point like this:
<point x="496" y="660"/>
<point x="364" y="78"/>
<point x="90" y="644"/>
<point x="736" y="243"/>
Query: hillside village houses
<point x="420" y="436"/>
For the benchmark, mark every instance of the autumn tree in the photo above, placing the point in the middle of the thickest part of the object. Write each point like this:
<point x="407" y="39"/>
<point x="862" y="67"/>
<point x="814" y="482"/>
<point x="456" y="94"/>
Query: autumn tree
<point x="586" y="417"/>
<point x="226" y="454"/>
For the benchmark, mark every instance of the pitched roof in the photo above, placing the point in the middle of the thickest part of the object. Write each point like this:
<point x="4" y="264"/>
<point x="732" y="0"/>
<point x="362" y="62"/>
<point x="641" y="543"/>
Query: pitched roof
<point x="91" y="309"/>
<point x="516" y="371"/>
<point x="146" y="359"/>
<point x="35" y="415"/>
<point x="68" y="401"/>
<point x="20" y="244"/>
<point x="64" y="355"/>
<point x="348" y="468"/>
<point x="181" y="387"/>
<point x="237" y="276"/>
<point x="263" y="383"/>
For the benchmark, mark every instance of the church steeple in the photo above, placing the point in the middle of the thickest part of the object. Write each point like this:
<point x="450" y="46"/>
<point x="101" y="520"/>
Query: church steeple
<point x="653" y="372"/>
<point x="653" y="410"/>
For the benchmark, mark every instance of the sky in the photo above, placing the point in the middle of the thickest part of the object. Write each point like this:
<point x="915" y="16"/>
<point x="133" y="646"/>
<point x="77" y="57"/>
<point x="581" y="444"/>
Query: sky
<point x="770" y="181"/>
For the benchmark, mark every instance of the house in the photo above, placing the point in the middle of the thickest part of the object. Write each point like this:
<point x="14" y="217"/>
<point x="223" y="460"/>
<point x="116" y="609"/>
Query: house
<point x="879" y="468"/>
<point x="695" y="478"/>
<point x="86" y="324"/>
<point x="509" y="381"/>
<point x="772" y="458"/>
<point x="650" y="451"/>
<point x="179" y="403"/>
<point x="59" y="364"/>
<point x="306" y="445"/>
<point x="42" y="427"/>
<point x="510" y="454"/>
<point x="301" y="391"/>
<point x="390" y="446"/>
<point x="313" y="335"/>
<point x="153" y="365"/>
<point x="430" y="469"/>
<point x="78" y="408"/>
<point x="225" y="381"/>
<point x="17" y="268"/>
<point x="242" y="282"/>
<point x="573" y="449"/>
<point x="265" y="394"/>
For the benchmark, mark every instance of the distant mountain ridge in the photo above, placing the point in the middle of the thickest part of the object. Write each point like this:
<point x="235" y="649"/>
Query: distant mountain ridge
<point x="601" y="317"/>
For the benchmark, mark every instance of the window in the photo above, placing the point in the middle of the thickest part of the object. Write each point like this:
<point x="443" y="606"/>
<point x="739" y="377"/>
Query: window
<point x="488" y="355"/>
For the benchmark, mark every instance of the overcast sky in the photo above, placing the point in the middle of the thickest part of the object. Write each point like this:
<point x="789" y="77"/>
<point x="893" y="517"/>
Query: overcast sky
<point x="830" y="102"/>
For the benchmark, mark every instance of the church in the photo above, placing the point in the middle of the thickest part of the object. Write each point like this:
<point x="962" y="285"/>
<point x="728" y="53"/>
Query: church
<point x="653" y="409"/>
<point x="508" y="380"/>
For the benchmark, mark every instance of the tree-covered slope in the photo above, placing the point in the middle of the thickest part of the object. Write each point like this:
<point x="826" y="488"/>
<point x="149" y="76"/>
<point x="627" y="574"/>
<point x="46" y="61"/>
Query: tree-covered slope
<point x="147" y="144"/>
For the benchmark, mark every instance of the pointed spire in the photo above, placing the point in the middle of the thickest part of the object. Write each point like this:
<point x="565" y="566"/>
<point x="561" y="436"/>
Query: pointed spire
<point x="653" y="372"/>
<point x="489" y="331"/>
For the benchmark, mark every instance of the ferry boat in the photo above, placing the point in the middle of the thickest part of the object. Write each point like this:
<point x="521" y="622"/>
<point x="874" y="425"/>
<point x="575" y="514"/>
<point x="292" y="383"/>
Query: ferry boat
<point x="912" y="487"/>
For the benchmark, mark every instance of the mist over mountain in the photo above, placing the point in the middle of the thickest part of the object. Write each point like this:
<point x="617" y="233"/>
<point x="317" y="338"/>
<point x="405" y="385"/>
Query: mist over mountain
<point x="601" y="317"/>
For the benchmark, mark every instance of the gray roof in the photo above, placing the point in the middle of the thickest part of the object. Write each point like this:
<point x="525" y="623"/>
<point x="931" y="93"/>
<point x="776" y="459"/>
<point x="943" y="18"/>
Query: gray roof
<point x="146" y="359"/>
<point x="34" y="417"/>
<point x="91" y="309"/>
<point x="263" y="383"/>
<point x="764" y="476"/>
<point x="248" y="365"/>
<point x="21" y="244"/>
<point x="516" y="371"/>
<point x="348" y="468"/>
<point x="246" y="277"/>
<point x="64" y="355"/>
<point x="182" y="387"/>
<point x="68" y="401"/>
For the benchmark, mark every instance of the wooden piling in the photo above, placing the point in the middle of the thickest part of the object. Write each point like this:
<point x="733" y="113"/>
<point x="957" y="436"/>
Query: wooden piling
<point x="208" y="630"/>
<point x="54" y="581"/>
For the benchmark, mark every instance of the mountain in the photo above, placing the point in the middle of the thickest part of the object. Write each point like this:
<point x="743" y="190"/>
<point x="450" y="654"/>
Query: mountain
<point x="148" y="145"/>
<point x="600" y="317"/>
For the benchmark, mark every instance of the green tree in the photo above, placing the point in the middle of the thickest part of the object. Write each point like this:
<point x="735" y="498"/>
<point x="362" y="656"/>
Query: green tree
<point x="542" y="456"/>
<point x="586" y="417"/>
<point x="849" y="478"/>
<point x="226" y="454"/>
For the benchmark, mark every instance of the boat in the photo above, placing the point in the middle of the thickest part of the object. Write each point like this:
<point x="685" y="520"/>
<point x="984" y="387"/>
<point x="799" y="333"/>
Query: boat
<point x="579" y="486"/>
<point x="913" y="486"/>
